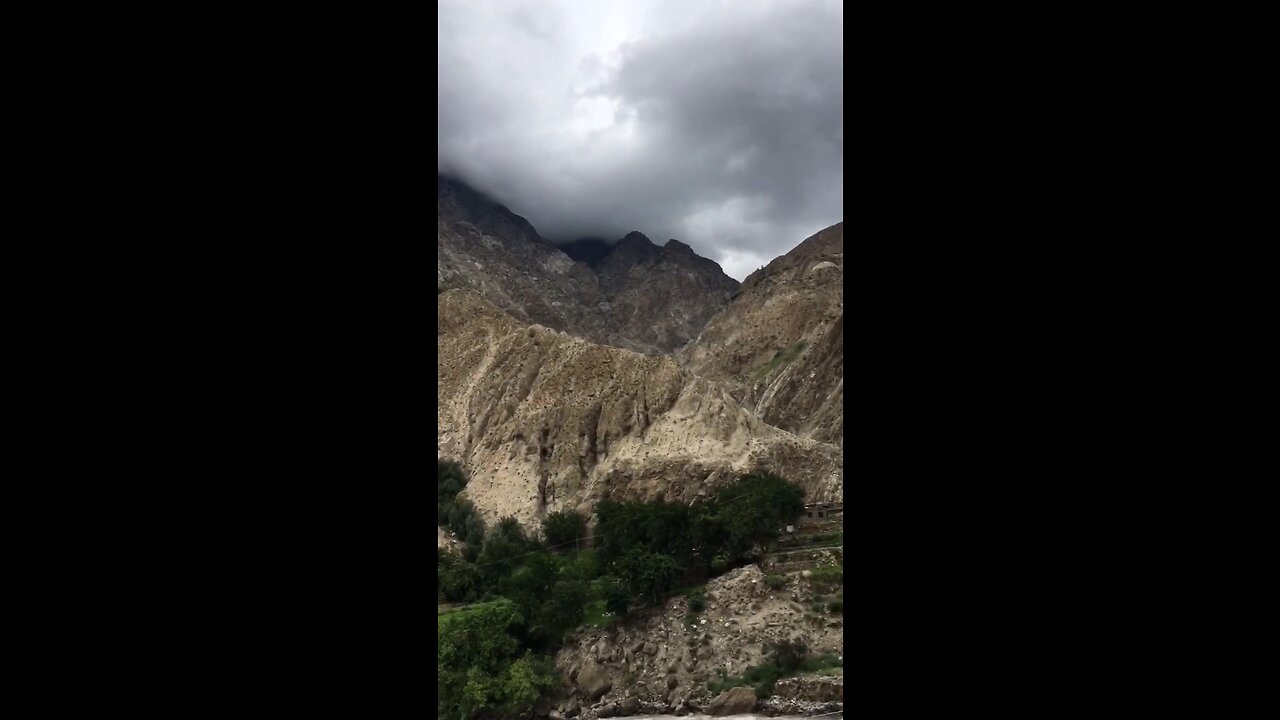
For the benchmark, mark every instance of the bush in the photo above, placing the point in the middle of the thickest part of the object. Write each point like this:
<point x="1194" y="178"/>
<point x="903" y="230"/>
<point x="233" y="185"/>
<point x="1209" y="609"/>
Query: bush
<point x="719" y="564"/>
<point x="697" y="601"/>
<point x="563" y="527"/>
<point x="788" y="654"/>
<point x="775" y="581"/>
<point x="836" y="607"/>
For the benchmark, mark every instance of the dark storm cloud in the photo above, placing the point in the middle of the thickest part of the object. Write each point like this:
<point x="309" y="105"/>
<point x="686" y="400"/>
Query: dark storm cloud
<point x="716" y="123"/>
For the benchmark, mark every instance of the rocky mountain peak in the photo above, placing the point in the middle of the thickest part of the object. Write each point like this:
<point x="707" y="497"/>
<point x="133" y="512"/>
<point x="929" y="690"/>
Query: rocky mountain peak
<point x="632" y="294"/>
<point x="675" y="246"/>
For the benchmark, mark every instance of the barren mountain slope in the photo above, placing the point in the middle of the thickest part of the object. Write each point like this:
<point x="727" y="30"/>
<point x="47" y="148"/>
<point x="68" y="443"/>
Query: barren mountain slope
<point x="662" y="296"/>
<point x="779" y="345"/>
<point x="544" y="421"/>
<point x="637" y="296"/>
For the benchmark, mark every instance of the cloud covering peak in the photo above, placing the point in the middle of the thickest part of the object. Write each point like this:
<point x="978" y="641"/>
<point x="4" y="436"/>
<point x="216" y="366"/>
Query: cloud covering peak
<point x="717" y="123"/>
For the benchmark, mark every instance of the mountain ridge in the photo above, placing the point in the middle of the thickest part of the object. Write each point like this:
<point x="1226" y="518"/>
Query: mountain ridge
<point x="637" y="296"/>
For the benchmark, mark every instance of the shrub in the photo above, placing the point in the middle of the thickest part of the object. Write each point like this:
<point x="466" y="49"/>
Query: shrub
<point x="719" y="564"/>
<point x="788" y="654"/>
<point x="775" y="581"/>
<point x="697" y="601"/>
<point x="836" y="607"/>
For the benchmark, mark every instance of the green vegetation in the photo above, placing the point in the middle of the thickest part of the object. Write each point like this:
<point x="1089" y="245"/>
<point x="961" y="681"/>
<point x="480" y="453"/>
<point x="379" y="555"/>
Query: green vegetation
<point x="460" y="516"/>
<point x="786" y="659"/>
<point x="494" y="654"/>
<point x="780" y="358"/>
<point x="775" y="581"/>
<point x="704" y="539"/>
<point x="561" y="528"/>
<point x="828" y="576"/>
<point x="484" y="668"/>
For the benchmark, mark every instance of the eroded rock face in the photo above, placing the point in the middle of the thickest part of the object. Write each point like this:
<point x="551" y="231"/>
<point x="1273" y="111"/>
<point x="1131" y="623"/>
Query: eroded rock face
<point x="637" y="295"/>
<point x="543" y="421"/>
<point x="779" y="345"/>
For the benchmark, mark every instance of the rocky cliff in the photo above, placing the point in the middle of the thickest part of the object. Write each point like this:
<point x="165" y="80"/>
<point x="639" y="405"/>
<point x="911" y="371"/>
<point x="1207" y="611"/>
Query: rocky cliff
<point x="544" y="421"/>
<point x="633" y="295"/>
<point x="779" y="344"/>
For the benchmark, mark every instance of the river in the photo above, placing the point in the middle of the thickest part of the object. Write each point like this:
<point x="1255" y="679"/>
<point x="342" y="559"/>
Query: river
<point x="827" y="716"/>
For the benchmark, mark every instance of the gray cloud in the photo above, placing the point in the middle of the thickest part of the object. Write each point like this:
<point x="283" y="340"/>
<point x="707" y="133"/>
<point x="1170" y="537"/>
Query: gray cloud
<point x="720" y="124"/>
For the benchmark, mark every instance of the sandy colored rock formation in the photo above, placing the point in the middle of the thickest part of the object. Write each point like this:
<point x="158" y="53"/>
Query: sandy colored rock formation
<point x="544" y="421"/>
<point x="779" y="345"/>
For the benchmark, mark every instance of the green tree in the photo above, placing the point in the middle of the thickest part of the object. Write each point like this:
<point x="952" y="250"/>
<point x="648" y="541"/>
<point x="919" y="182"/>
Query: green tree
<point x="751" y="510"/>
<point x="563" y="527"/>
<point x="645" y="574"/>
<point x="501" y="550"/>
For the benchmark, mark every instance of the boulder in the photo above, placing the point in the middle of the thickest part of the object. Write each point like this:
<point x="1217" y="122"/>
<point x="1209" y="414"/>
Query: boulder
<point x="629" y="706"/>
<point x="735" y="701"/>
<point x="593" y="681"/>
<point x="607" y="711"/>
<point x="650" y="648"/>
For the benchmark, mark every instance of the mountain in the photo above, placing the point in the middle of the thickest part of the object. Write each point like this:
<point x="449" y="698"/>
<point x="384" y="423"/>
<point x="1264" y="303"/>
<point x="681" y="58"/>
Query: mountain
<point x="587" y="250"/>
<point x="778" y="346"/>
<point x="545" y="421"/>
<point x="635" y="295"/>
<point x="662" y="296"/>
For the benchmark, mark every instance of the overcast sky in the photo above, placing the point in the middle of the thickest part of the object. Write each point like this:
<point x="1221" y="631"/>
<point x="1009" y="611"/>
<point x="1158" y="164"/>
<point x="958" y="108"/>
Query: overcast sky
<point x="717" y="123"/>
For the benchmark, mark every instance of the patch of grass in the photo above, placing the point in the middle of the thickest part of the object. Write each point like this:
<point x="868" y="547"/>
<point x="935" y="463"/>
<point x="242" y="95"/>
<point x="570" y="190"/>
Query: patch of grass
<point x="780" y="358"/>
<point x="820" y="663"/>
<point x="595" y="614"/>
<point x="459" y="613"/>
<point x="775" y="581"/>
<point x="829" y="576"/>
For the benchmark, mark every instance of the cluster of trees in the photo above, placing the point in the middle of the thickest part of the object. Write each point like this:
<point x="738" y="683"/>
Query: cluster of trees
<point x="484" y="666"/>
<point x="536" y="590"/>
<point x="651" y="547"/>
<point x="495" y="657"/>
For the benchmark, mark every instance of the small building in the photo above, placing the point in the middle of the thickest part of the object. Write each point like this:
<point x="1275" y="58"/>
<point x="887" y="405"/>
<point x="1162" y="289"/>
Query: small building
<point x="822" y="512"/>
